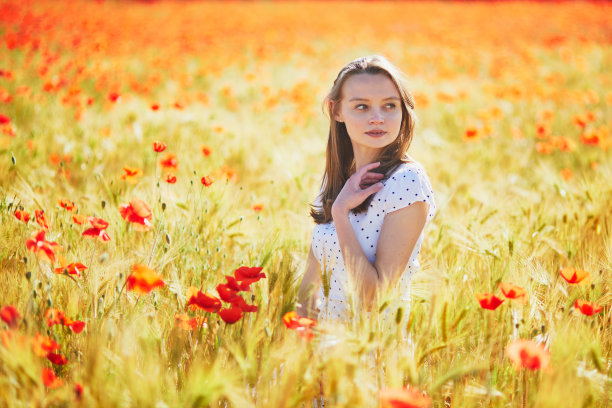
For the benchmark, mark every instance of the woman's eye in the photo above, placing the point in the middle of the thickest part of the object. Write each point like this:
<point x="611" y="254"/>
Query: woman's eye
<point x="390" y="105"/>
<point x="361" y="106"/>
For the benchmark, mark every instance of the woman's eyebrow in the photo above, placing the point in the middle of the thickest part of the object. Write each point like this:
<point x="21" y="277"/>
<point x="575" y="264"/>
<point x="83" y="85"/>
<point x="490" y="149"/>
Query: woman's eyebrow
<point x="395" y="98"/>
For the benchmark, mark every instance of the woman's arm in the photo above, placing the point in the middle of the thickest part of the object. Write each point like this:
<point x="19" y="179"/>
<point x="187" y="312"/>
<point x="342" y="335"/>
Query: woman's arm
<point x="308" y="294"/>
<point x="398" y="236"/>
<point x="400" y="232"/>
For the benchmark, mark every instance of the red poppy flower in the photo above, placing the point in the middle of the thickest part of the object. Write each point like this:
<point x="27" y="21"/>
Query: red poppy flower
<point x="159" y="146"/>
<point x="293" y="321"/>
<point x="10" y="315"/>
<point x="587" y="308"/>
<point x="488" y="300"/>
<point x="78" y="391"/>
<point x="203" y="301"/>
<point x="41" y="219"/>
<point x="57" y="359"/>
<point x="249" y="274"/>
<point x="114" y="96"/>
<point x="143" y="280"/>
<point x="236" y="286"/>
<point x="567" y="174"/>
<point x="42" y="345"/>
<point x="544" y="147"/>
<point x="56" y="316"/>
<point x="403" y="398"/>
<point x="22" y="216"/>
<point x="76" y="326"/>
<point x="131" y="174"/>
<point x="471" y="133"/>
<point x="50" y="379"/>
<point x="242" y="304"/>
<point x="528" y="354"/>
<point x="580" y="120"/>
<point x="227" y="173"/>
<point x="226" y="293"/>
<point x="542" y="130"/>
<point x="231" y="315"/>
<point x="79" y="219"/>
<point x="305" y="333"/>
<point x="575" y="276"/>
<point x="4" y="120"/>
<point x="257" y="207"/>
<point x="206" y="151"/>
<point x="98" y="223"/>
<point x="512" y="291"/>
<point x="591" y="137"/>
<point x="98" y="230"/>
<point x="207" y="181"/>
<point x="66" y="204"/>
<point x="170" y="178"/>
<point x="138" y="213"/>
<point x="184" y="322"/>
<point x="41" y="247"/>
<point x="155" y="106"/>
<point x="169" y="161"/>
<point x="102" y="235"/>
<point x="74" y="268"/>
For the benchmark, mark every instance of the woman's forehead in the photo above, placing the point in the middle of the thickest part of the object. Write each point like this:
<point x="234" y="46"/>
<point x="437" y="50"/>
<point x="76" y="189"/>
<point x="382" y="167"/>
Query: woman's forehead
<point x="369" y="86"/>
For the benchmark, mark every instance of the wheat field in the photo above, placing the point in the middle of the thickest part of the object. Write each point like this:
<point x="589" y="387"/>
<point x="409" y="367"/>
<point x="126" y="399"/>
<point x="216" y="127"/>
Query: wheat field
<point x="150" y="149"/>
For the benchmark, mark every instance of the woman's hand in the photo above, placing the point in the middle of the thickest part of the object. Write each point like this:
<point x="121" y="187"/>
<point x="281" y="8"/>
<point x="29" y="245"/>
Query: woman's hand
<point x="357" y="188"/>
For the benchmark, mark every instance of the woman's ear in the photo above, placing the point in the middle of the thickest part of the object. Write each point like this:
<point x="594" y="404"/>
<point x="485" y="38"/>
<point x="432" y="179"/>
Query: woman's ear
<point x="334" y="109"/>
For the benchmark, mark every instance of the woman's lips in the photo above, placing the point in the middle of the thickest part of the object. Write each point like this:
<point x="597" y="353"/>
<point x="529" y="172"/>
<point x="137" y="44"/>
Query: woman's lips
<point x="376" y="133"/>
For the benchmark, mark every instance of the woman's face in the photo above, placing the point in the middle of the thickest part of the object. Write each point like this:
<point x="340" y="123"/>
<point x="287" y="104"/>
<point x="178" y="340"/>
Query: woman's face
<point x="371" y="109"/>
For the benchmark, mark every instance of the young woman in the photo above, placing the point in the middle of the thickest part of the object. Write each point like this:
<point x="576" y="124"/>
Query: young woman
<point x="374" y="201"/>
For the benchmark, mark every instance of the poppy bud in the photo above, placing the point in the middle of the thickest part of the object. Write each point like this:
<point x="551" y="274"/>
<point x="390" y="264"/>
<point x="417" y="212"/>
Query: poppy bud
<point x="103" y="203"/>
<point x="28" y="275"/>
<point x="398" y="315"/>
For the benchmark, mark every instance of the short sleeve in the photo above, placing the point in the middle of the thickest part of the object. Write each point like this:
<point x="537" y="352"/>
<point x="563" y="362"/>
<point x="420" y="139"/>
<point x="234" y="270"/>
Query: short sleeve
<point x="406" y="186"/>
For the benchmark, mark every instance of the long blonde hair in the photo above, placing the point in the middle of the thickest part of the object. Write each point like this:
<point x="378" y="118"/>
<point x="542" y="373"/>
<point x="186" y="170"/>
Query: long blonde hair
<point x="339" y="159"/>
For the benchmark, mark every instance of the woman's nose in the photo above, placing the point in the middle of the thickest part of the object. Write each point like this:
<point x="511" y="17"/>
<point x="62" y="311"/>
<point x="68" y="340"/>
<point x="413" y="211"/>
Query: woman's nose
<point x="376" y="118"/>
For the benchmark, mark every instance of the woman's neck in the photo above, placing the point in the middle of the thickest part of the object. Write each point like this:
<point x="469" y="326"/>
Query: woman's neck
<point x="363" y="156"/>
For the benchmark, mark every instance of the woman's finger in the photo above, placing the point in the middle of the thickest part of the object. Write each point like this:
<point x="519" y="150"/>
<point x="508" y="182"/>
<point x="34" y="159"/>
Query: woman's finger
<point x="372" y="174"/>
<point x="367" y="167"/>
<point x="374" y="188"/>
<point x="369" y="180"/>
<point x="366" y="185"/>
<point x="377" y="176"/>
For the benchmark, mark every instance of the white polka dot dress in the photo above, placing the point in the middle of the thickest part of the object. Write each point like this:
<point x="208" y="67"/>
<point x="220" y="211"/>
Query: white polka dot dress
<point x="408" y="184"/>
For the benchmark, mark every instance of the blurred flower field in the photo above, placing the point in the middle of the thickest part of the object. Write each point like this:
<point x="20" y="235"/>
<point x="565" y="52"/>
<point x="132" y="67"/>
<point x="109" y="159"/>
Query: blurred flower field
<point x="158" y="160"/>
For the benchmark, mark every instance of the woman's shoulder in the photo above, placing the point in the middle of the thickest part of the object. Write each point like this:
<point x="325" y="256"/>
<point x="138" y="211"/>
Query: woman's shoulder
<point x="407" y="168"/>
<point x="407" y="184"/>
